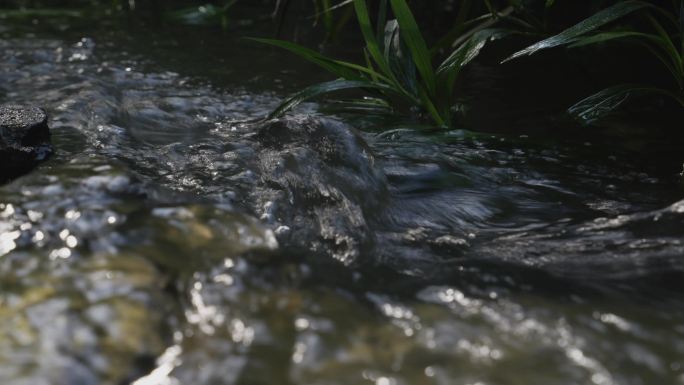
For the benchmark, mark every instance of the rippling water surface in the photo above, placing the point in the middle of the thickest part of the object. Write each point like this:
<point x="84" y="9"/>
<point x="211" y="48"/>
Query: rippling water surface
<point x="164" y="243"/>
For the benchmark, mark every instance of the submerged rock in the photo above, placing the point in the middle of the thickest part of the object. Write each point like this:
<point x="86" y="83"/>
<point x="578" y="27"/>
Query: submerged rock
<point x="24" y="140"/>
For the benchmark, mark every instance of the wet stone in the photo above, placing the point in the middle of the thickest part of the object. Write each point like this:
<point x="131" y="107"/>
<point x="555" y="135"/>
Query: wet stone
<point x="318" y="180"/>
<point x="24" y="140"/>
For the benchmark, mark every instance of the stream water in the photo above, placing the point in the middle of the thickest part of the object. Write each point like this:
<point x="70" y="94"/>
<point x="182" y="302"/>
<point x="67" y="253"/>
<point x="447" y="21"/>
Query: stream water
<point x="165" y="244"/>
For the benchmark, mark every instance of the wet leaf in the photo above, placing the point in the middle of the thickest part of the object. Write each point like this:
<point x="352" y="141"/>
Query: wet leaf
<point x="410" y="34"/>
<point x="398" y="58"/>
<point x="590" y="24"/>
<point x="369" y="36"/>
<point x="608" y="36"/>
<point x="607" y="101"/>
<point x="382" y="19"/>
<point x="323" y="88"/>
<point x="340" y="68"/>
<point x="469" y="50"/>
<point x="665" y="59"/>
<point x="465" y="53"/>
<point x="666" y="42"/>
<point x="366" y="106"/>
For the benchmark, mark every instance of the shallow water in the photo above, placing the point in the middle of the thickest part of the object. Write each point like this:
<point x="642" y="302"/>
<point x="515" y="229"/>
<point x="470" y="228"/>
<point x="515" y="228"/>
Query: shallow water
<point x="164" y="243"/>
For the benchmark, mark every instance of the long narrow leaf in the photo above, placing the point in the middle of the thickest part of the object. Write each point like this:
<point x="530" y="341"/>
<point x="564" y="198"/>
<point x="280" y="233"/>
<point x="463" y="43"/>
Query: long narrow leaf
<point x="369" y="64"/>
<point x="469" y="50"/>
<point x="391" y="33"/>
<point x="334" y="7"/>
<point x="431" y="109"/>
<point x="607" y="101"/>
<point x="342" y="21"/>
<point x="665" y="59"/>
<point x="590" y="24"/>
<point x="483" y="22"/>
<point x="669" y="46"/>
<point x="490" y="7"/>
<point x="459" y="29"/>
<point x="411" y="35"/>
<point x="400" y="61"/>
<point x="608" y="36"/>
<point x="369" y="37"/>
<point x="317" y="13"/>
<point x="464" y="54"/>
<point x="660" y="46"/>
<point x="320" y="89"/>
<point x="360" y="106"/>
<point x="382" y="20"/>
<point x="349" y="71"/>
<point x="328" y="17"/>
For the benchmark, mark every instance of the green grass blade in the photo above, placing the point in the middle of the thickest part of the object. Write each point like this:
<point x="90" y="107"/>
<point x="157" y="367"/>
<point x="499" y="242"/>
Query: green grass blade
<point x="342" y="21"/>
<point x="327" y="16"/>
<point x="366" y="106"/>
<point x="349" y="71"/>
<point x="411" y="35"/>
<point x="369" y="37"/>
<point x="332" y="8"/>
<point x="603" y="37"/>
<point x="660" y="46"/>
<point x="320" y="89"/>
<point x="432" y="110"/>
<point x="382" y="20"/>
<point x="450" y="68"/>
<point x="391" y="33"/>
<point x="399" y="60"/>
<point x="369" y="64"/>
<point x="669" y="45"/>
<point x="469" y="50"/>
<point x="460" y="25"/>
<point x="374" y="51"/>
<point x="665" y="59"/>
<point x="590" y="24"/>
<point x="490" y="7"/>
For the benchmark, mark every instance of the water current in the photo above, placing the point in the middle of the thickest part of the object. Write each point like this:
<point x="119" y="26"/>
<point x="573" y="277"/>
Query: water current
<point x="166" y="243"/>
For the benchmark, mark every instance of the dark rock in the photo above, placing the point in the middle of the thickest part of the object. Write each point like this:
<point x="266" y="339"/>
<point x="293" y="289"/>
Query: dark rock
<point x="318" y="187"/>
<point x="24" y="140"/>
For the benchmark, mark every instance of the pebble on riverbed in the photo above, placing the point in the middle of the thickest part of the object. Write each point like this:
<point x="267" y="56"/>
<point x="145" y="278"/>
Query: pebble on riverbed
<point x="24" y="140"/>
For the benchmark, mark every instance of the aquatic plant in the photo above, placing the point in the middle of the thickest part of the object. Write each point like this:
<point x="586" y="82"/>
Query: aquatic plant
<point x="663" y="38"/>
<point x="398" y="69"/>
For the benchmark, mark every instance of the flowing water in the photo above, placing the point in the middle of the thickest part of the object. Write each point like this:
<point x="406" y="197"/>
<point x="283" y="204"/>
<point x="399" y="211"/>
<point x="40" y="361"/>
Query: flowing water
<point x="165" y="243"/>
